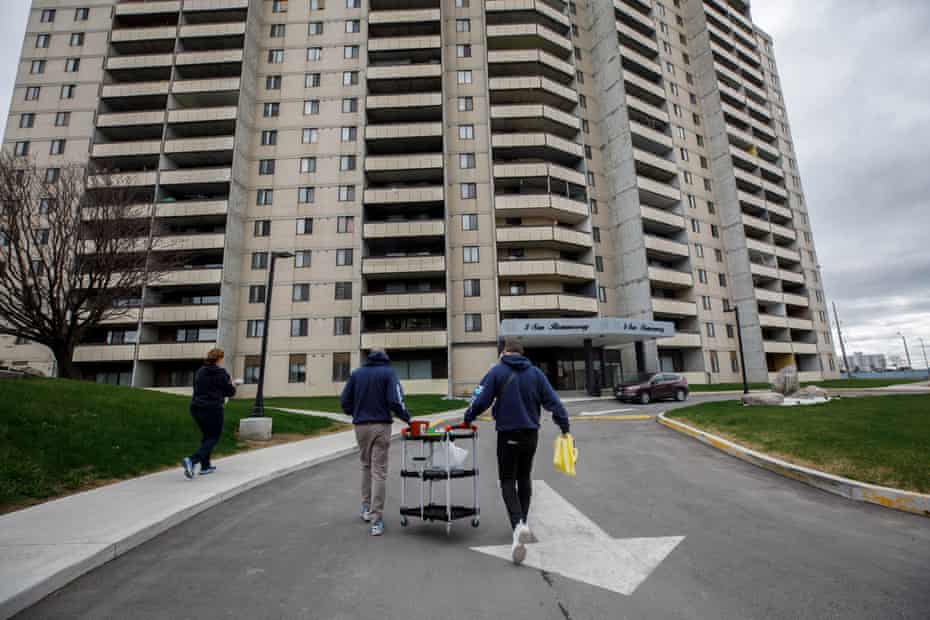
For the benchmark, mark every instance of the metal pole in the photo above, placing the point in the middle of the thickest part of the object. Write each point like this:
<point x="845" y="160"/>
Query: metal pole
<point x="907" y="353"/>
<point x="742" y="356"/>
<point x="924" y="349"/>
<point x="258" y="410"/>
<point x="839" y="333"/>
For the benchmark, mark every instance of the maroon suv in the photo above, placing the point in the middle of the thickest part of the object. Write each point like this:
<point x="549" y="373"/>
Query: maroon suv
<point x="657" y="387"/>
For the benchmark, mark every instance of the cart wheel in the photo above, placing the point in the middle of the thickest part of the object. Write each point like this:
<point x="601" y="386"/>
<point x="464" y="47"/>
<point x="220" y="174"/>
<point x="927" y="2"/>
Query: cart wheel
<point x="403" y="521"/>
<point x="475" y="522"/>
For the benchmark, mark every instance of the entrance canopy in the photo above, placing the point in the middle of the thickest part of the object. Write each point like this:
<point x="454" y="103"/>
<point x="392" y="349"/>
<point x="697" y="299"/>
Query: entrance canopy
<point x="603" y="331"/>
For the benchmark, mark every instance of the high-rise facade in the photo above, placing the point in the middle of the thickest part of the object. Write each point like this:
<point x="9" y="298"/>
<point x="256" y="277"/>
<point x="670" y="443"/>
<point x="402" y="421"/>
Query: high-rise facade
<point x="435" y="167"/>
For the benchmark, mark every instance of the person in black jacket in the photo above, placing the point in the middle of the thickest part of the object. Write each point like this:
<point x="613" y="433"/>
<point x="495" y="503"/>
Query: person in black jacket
<point x="370" y="396"/>
<point x="518" y="390"/>
<point x="212" y="385"/>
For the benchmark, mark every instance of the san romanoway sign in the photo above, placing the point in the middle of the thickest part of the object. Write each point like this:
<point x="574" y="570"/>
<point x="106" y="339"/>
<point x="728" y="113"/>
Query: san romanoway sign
<point x="605" y="330"/>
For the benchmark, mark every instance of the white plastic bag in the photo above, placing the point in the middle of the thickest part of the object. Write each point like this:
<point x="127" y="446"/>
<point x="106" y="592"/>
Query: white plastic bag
<point x="448" y="452"/>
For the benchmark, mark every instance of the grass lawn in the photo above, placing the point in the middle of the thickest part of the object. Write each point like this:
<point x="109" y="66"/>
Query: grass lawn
<point x="829" y="383"/>
<point x="59" y="436"/>
<point x="879" y="439"/>
<point x="418" y="404"/>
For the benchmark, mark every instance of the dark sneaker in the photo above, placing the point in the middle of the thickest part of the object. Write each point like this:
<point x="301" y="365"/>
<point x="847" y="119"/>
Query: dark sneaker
<point x="377" y="528"/>
<point x="364" y="513"/>
<point x="188" y="465"/>
<point x="207" y="470"/>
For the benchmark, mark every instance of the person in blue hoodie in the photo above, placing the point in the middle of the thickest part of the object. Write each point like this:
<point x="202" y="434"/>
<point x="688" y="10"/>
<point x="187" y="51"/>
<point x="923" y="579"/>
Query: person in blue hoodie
<point x="372" y="394"/>
<point x="212" y="386"/>
<point x="518" y="390"/>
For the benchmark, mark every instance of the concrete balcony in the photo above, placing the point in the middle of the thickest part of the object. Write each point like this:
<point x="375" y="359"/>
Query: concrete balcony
<point x="541" y="205"/>
<point x="543" y="302"/>
<point x="629" y="36"/>
<point x="132" y="35"/>
<point x="134" y="179"/>
<point x="748" y="199"/>
<point x="148" y="8"/>
<point x="784" y="233"/>
<point x="183" y="277"/>
<point x="730" y="76"/>
<point x="214" y="5"/>
<point x="544" y="236"/>
<point x="89" y="353"/>
<point x="796" y="300"/>
<point x="230" y="29"/>
<point x="404" y="72"/>
<point x="525" y="171"/>
<point x="134" y="89"/>
<point x="209" y="57"/>
<point x="779" y="193"/>
<point x="403" y="131"/>
<point x="751" y="73"/>
<point x="181" y="314"/>
<point x="651" y="139"/>
<point x="646" y="65"/>
<point x="191" y="208"/>
<point x="656" y="165"/>
<point x="405" y="340"/>
<point x="759" y="110"/>
<point x="392" y="302"/>
<point x="772" y="297"/>
<point x="498" y="6"/>
<point x="391" y="163"/>
<point x="774" y="346"/>
<point x="800" y="324"/>
<point x="779" y="211"/>
<point x="203" y="115"/>
<point x="671" y="278"/>
<point x="681" y="340"/>
<point x="396" y="44"/>
<point x="756" y="223"/>
<point x="773" y="321"/>
<point x="764" y="130"/>
<point x="126" y="149"/>
<point x="412" y="16"/>
<point x="138" y="61"/>
<point x="655" y="92"/>
<point x="791" y="276"/>
<point x="656" y="193"/>
<point x="760" y="246"/>
<point x="666" y="219"/>
<point x="521" y="113"/>
<point x="417" y="228"/>
<point x="673" y="308"/>
<point x="788" y="254"/>
<point x="196" y="175"/>
<point x="179" y="243"/>
<point x="415" y="100"/>
<point x="545" y="268"/>
<point x="401" y="195"/>
<point x="804" y="348"/>
<point x="396" y="265"/>
<point x="654" y="112"/>
<point x="200" y="145"/>
<point x="175" y="351"/>
<point x="665" y="248"/>
<point x="210" y="85"/>
<point x="538" y="141"/>
<point x="532" y="56"/>
<point x="734" y="113"/>
<point x="531" y="34"/>
<point x="762" y="271"/>
<point x="131" y="119"/>
<point x="635" y="15"/>
<point x="526" y="89"/>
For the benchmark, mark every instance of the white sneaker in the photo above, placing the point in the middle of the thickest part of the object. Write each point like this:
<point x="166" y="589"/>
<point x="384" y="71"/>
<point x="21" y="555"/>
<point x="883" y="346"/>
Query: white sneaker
<point x="518" y="549"/>
<point x="524" y="533"/>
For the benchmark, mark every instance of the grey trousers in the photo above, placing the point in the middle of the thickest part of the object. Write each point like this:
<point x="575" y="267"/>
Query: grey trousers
<point x="374" y="441"/>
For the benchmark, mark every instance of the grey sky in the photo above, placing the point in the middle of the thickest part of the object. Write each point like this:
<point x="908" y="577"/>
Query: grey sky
<point x="856" y="78"/>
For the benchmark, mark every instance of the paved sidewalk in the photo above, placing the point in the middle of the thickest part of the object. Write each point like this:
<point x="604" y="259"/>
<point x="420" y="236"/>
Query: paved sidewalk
<point x="44" y="547"/>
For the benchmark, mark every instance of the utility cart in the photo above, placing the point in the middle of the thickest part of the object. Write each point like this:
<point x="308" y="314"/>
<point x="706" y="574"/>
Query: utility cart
<point x="431" y="458"/>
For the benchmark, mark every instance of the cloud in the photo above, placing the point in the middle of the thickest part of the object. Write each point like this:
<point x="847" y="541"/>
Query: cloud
<point x="856" y="81"/>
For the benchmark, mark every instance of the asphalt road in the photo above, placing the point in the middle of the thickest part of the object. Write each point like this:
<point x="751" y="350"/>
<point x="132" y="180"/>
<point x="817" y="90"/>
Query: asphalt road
<point x="756" y="546"/>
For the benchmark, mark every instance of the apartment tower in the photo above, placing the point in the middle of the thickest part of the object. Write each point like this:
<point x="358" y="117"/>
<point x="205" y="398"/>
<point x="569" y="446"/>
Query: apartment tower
<point x="436" y="167"/>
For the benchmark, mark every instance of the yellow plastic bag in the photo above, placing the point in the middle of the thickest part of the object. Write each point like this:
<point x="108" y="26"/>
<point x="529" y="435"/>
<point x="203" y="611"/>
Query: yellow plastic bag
<point x="565" y="455"/>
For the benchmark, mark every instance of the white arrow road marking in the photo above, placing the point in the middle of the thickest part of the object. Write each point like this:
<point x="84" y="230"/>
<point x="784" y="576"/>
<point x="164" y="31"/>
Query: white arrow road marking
<point x="603" y="412"/>
<point x="572" y="545"/>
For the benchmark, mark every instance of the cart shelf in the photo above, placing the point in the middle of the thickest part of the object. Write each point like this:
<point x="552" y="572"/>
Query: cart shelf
<point x="438" y="473"/>
<point x="439" y="512"/>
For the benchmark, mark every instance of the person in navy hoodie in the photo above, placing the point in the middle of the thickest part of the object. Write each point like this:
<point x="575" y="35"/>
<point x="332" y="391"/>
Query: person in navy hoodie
<point x="212" y="386"/>
<point x="518" y="390"/>
<point x="370" y="396"/>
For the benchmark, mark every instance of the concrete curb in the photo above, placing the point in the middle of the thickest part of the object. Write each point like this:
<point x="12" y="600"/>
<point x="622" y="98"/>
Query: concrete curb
<point x="69" y="570"/>
<point x="897" y="499"/>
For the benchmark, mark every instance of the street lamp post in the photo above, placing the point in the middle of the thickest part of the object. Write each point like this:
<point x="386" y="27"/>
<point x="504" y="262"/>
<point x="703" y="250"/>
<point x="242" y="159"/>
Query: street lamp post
<point x="742" y="356"/>
<point x="923" y="348"/>
<point x="907" y="353"/>
<point x="258" y="410"/>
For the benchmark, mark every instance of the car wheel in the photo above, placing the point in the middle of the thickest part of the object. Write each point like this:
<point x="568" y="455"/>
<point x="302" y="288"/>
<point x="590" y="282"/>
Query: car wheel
<point x="680" y="395"/>
<point x="644" y="398"/>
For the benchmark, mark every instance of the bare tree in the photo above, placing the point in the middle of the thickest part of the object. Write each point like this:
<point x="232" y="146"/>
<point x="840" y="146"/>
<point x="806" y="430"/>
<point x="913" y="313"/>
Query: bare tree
<point x="75" y="246"/>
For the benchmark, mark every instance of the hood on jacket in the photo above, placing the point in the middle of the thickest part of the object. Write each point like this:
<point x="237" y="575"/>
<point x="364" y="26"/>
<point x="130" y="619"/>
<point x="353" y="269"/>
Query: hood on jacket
<point x="213" y="369"/>
<point x="376" y="358"/>
<point x="517" y="362"/>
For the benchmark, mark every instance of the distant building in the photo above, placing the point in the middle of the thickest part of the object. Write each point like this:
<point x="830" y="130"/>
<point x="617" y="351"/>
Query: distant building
<point x="868" y="362"/>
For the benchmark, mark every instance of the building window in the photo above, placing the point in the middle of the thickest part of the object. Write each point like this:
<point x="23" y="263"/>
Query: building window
<point x="52" y="174"/>
<point x="311" y="107"/>
<point x="695" y="226"/>
<point x="722" y="279"/>
<point x="32" y="93"/>
<point x="262" y="228"/>
<point x="81" y="14"/>
<point x="251" y="369"/>
<point x="471" y="254"/>
<point x="463" y="50"/>
<point x="353" y="26"/>
<point x="346" y="162"/>
<point x="275" y="56"/>
<point x="312" y="80"/>
<point x="730" y="331"/>
<point x="349" y="134"/>
<point x="345" y="224"/>
<point x="468" y="191"/>
<point x="463" y="25"/>
<point x="314" y="54"/>
<point x="306" y="195"/>
<point x="299" y="328"/>
<point x="257" y="294"/>
<point x="470" y="221"/>
<point x="21" y="149"/>
<point x="271" y="110"/>
<point x="466" y="132"/>
<point x="254" y="328"/>
<point x="68" y="90"/>
<point x="264" y="197"/>
<point x="466" y="104"/>
<point x="464" y="77"/>
<point x="472" y="288"/>
<point x="307" y="165"/>
<point x="718" y="255"/>
<point x="259" y="260"/>
<point x="714" y="362"/>
<point x="711" y="333"/>
<point x="342" y="325"/>
<point x="269" y="137"/>
<point x="265" y="167"/>
<point x="277" y="31"/>
<point x="349" y="78"/>
<point x="341" y="366"/>
<point x="346" y="193"/>
<point x="466" y="160"/>
<point x="273" y="82"/>
<point x="300" y="292"/>
<point x="297" y="368"/>
<point x="353" y="4"/>
<point x="472" y="322"/>
<point x="343" y="290"/>
<point x="72" y="65"/>
<point x="702" y="276"/>
<point x="726" y="305"/>
<point x="343" y="257"/>
<point x="47" y="16"/>
<point x="310" y="135"/>
<point x="602" y="294"/>
<point x="349" y="105"/>
<point x="314" y="29"/>
<point x="27" y="120"/>
<point x="305" y="226"/>
<point x="302" y="258"/>
<point x="37" y="67"/>
<point x="705" y="302"/>
<point x="599" y="263"/>
<point x="596" y="234"/>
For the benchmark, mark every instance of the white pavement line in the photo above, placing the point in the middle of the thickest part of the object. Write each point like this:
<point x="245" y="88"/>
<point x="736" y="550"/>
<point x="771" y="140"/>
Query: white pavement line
<point x="606" y="411"/>
<point x="572" y="545"/>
